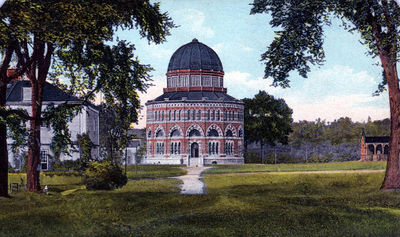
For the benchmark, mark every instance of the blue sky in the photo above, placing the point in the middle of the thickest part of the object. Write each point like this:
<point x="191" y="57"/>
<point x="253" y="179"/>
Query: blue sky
<point x="343" y="86"/>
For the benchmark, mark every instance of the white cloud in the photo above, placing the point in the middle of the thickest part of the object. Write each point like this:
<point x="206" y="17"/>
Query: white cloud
<point x="334" y="107"/>
<point x="339" y="80"/>
<point x="241" y="85"/>
<point x="193" y="22"/>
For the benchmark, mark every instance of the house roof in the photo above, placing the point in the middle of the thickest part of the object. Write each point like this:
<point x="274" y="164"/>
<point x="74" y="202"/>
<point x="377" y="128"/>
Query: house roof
<point x="51" y="93"/>
<point x="377" y="139"/>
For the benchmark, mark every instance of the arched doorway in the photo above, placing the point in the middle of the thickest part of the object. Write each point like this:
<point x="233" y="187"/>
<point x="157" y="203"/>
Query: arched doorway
<point x="194" y="150"/>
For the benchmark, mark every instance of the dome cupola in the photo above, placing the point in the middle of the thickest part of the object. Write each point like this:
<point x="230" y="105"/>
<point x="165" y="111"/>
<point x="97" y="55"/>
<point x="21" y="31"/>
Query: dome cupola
<point x="195" y="56"/>
<point x="195" y="67"/>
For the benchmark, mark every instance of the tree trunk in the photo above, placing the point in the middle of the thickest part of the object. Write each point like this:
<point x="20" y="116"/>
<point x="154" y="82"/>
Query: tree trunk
<point x="33" y="167"/>
<point x="3" y="161"/>
<point x="262" y="151"/>
<point x="37" y="74"/>
<point x="392" y="176"/>
<point x="3" y="146"/>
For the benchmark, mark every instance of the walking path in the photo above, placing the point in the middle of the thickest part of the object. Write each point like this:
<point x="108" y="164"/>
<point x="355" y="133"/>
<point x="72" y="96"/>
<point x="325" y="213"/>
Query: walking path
<point x="192" y="184"/>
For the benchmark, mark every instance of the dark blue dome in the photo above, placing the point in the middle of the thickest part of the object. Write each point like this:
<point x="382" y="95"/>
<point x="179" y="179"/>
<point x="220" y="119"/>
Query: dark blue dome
<point x="195" y="55"/>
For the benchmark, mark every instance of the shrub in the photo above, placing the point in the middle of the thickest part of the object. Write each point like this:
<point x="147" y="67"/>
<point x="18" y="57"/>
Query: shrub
<point x="289" y="159"/>
<point x="252" y="157"/>
<point x="104" y="175"/>
<point x="314" y="158"/>
<point x="10" y="168"/>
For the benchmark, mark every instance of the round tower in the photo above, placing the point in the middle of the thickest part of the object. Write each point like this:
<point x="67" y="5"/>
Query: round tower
<point x="194" y="121"/>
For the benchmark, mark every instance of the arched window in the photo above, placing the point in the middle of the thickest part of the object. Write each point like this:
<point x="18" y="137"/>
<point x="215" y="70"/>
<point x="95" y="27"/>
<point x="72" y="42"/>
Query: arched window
<point x="199" y="115"/>
<point x="175" y="133"/>
<point x="149" y="134"/>
<point x="212" y="115"/>
<point x="218" y="116"/>
<point x="240" y="133"/>
<point x="194" y="133"/>
<point x="179" y="115"/>
<point x="194" y="115"/>
<point x="162" y="115"/>
<point x="212" y="133"/>
<point x="188" y="114"/>
<point x="169" y="115"/>
<point x="160" y="133"/>
<point x="229" y="133"/>
<point x="174" y="118"/>
<point x="208" y="114"/>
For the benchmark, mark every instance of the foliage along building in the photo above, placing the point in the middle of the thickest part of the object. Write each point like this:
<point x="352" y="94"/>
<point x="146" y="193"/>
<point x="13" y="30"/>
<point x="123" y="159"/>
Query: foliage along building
<point x="19" y="93"/>
<point x="195" y="121"/>
<point x="374" y="148"/>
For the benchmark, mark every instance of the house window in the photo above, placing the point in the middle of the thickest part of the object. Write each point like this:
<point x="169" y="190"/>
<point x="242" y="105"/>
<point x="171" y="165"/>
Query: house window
<point x="213" y="148"/>
<point x="175" y="148"/>
<point x="229" y="148"/>
<point x="159" y="148"/>
<point x="26" y="93"/>
<point x="44" y="160"/>
<point x="199" y="115"/>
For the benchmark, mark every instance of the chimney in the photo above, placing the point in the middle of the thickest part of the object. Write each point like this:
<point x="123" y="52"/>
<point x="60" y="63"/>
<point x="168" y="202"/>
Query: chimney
<point x="11" y="72"/>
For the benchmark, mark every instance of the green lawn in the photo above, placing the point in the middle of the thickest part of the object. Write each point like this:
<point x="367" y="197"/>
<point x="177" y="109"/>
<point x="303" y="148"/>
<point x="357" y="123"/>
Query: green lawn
<point x="256" y="204"/>
<point x="351" y="165"/>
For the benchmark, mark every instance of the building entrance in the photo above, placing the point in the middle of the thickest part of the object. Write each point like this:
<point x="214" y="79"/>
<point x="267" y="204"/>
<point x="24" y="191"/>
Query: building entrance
<point x="194" y="150"/>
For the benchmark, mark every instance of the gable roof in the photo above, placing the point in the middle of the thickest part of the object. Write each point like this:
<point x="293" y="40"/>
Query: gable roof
<point x="52" y="93"/>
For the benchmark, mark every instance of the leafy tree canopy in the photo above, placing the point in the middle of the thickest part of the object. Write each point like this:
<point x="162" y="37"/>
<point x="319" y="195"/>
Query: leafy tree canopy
<point x="72" y="36"/>
<point x="299" y="44"/>
<point x="266" y="119"/>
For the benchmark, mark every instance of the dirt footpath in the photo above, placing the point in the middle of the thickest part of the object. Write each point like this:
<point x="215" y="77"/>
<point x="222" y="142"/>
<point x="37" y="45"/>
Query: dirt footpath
<point x="192" y="183"/>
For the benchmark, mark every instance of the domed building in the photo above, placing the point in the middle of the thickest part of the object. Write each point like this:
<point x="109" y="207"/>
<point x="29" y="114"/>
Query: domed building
<point x="195" y="121"/>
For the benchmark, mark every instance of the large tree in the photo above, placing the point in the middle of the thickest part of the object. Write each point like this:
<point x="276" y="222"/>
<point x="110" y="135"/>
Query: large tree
<point x="72" y="35"/>
<point x="266" y="120"/>
<point x="299" y="43"/>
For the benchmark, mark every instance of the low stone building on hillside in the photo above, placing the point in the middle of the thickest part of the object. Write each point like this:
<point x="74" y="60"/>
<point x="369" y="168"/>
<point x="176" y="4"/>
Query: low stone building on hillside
<point x="87" y="121"/>
<point x="195" y="121"/>
<point x="374" y="148"/>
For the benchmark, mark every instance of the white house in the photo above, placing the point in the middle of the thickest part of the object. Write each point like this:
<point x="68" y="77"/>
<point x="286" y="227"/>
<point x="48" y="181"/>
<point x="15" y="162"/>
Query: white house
<point x="87" y="121"/>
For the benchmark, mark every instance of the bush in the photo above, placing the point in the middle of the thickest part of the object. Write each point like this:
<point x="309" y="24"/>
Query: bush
<point x="10" y="168"/>
<point x="288" y="159"/>
<point x="252" y="157"/>
<point x="67" y="165"/>
<point x="104" y="175"/>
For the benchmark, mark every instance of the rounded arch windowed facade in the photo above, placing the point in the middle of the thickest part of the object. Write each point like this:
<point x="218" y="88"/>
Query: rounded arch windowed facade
<point x="194" y="121"/>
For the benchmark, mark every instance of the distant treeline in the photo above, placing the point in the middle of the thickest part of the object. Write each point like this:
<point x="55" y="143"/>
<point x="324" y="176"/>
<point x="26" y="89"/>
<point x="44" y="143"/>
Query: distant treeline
<point x="319" y="141"/>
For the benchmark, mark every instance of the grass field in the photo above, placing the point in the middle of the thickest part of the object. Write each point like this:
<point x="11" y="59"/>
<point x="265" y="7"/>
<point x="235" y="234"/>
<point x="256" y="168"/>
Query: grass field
<point x="255" y="204"/>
